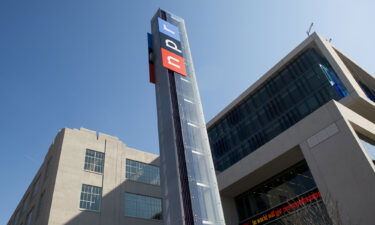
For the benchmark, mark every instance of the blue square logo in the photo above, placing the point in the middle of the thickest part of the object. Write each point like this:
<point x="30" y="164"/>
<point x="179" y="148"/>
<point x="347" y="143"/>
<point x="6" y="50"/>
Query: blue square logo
<point x="169" y="29"/>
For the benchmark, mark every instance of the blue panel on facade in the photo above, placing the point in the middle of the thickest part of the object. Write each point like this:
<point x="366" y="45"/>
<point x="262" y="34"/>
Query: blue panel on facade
<point x="169" y="29"/>
<point x="149" y="40"/>
<point x="335" y="81"/>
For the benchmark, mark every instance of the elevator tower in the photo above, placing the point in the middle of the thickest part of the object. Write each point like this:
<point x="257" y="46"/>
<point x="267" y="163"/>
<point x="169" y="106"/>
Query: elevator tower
<point x="189" y="185"/>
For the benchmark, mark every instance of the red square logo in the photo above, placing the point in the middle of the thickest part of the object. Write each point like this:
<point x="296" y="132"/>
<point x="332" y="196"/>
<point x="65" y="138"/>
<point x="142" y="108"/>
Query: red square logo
<point x="173" y="62"/>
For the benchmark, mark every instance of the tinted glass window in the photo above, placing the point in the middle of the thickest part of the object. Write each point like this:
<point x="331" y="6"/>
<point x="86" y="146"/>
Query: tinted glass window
<point x="142" y="172"/>
<point x="280" y="189"/>
<point x="143" y="206"/>
<point x="301" y="87"/>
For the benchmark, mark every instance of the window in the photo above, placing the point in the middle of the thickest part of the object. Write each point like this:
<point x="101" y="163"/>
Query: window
<point x="370" y="93"/>
<point x="29" y="217"/>
<point x="90" y="197"/>
<point x="36" y="186"/>
<point x="285" y="186"/>
<point x="142" y="172"/>
<point x="294" y="92"/>
<point x="143" y="206"/>
<point x="26" y="202"/>
<point x="16" y="217"/>
<point x="40" y="205"/>
<point x="94" y="161"/>
<point x="369" y="145"/>
<point x="48" y="165"/>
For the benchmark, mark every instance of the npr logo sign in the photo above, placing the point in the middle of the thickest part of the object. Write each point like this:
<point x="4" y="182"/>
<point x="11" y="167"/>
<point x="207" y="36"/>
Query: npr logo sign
<point x="171" y="51"/>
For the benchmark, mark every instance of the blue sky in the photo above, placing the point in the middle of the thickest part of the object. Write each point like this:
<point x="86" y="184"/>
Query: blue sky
<point x="83" y="63"/>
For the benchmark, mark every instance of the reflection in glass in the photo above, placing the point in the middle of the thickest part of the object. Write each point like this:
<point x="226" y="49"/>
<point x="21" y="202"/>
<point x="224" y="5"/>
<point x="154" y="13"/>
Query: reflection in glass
<point x="94" y="161"/>
<point x="143" y="206"/>
<point x="301" y="87"/>
<point x="285" y="186"/>
<point x="142" y="172"/>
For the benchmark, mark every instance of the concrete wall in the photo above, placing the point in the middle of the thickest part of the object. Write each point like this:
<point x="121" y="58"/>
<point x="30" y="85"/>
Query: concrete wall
<point x="38" y="199"/>
<point x="62" y="183"/>
<point x="342" y="169"/>
<point x="71" y="175"/>
<point x="326" y="139"/>
<point x="297" y="143"/>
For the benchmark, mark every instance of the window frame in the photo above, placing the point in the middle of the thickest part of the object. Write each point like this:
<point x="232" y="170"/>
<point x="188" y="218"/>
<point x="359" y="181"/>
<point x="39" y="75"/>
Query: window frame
<point x="29" y="216"/>
<point x="100" y="199"/>
<point x="137" y="209"/>
<point x="140" y="181"/>
<point x="94" y="165"/>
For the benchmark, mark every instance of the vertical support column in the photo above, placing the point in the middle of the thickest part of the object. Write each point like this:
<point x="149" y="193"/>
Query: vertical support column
<point x="343" y="172"/>
<point x="188" y="176"/>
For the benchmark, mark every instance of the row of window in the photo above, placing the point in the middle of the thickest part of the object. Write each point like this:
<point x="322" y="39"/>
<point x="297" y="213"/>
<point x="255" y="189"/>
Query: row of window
<point x="135" y="205"/>
<point x="90" y="195"/>
<point x="30" y="213"/>
<point x="297" y="90"/>
<point x="136" y="171"/>
<point x="139" y="206"/>
<point x="314" y="211"/>
<point x="276" y="191"/>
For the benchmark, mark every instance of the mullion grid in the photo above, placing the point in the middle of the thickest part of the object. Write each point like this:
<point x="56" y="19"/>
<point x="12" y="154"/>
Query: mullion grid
<point x="94" y="161"/>
<point x="142" y="172"/>
<point x="142" y="206"/>
<point x="90" y="197"/>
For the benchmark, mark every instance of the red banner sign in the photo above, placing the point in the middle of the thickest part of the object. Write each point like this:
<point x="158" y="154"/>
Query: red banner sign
<point x="284" y="209"/>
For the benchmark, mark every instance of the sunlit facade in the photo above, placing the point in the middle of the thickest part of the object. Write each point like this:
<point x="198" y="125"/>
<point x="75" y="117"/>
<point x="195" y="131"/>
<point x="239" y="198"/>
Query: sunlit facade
<point x="90" y="178"/>
<point x="298" y="145"/>
<point x="295" y="91"/>
<point x="188" y="180"/>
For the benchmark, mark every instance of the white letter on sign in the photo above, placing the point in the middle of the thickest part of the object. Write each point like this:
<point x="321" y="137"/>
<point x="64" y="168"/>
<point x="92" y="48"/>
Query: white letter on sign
<point x="170" y="58"/>
<point x="172" y="45"/>
<point x="166" y="28"/>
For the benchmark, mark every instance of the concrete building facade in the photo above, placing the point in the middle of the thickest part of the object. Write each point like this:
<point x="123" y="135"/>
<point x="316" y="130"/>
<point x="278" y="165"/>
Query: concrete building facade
<point x="92" y="178"/>
<point x="189" y="184"/>
<point x="302" y="138"/>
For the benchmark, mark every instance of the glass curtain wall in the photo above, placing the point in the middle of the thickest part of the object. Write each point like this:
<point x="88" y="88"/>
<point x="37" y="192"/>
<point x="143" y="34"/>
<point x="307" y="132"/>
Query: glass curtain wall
<point x="276" y="193"/>
<point x="301" y="87"/>
<point x="204" y="194"/>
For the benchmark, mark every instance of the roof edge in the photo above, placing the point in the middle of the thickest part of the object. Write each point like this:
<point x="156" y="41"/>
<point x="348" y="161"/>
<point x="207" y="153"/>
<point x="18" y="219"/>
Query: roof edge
<point x="314" y="37"/>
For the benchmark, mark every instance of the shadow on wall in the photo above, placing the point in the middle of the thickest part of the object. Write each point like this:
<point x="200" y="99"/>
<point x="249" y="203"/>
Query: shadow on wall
<point x="112" y="209"/>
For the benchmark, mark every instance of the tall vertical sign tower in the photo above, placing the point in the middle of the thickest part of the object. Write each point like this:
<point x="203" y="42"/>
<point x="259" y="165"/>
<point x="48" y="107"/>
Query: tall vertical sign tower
<point x="188" y="177"/>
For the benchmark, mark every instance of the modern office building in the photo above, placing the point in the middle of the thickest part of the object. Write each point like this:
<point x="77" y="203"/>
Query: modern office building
<point x="190" y="191"/>
<point x="297" y="145"/>
<point x="90" y="178"/>
<point x="298" y="141"/>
